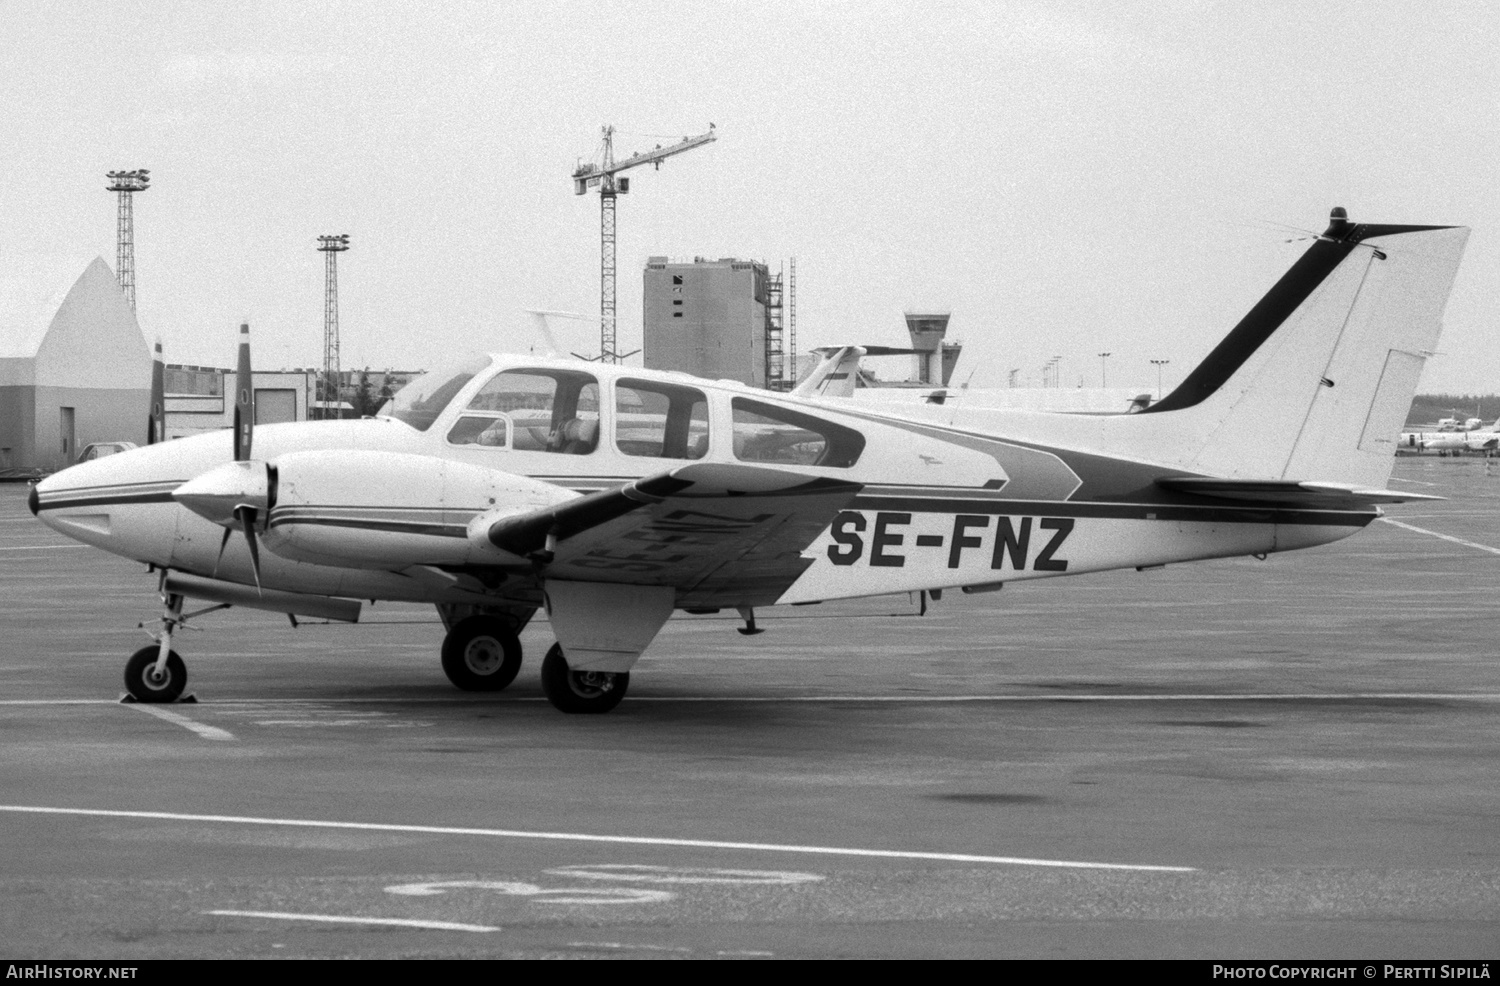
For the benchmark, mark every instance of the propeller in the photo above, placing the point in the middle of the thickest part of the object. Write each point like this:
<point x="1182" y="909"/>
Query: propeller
<point x="244" y="400"/>
<point x="239" y="494"/>
<point x="156" y="424"/>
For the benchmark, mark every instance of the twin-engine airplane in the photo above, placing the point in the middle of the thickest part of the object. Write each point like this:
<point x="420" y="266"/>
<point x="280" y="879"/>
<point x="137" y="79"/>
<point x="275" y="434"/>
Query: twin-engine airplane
<point x="1472" y="438"/>
<point x="614" y="496"/>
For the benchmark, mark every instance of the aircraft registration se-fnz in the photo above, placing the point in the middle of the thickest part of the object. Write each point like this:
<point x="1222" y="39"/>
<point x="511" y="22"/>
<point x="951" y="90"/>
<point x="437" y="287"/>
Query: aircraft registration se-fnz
<point x="614" y="496"/>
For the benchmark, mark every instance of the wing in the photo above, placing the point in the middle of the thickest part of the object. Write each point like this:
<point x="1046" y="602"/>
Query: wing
<point x="1289" y="491"/>
<point x="712" y="530"/>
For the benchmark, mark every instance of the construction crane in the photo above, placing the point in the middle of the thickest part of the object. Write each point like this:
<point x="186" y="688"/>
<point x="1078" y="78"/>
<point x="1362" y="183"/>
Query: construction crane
<point x="602" y="176"/>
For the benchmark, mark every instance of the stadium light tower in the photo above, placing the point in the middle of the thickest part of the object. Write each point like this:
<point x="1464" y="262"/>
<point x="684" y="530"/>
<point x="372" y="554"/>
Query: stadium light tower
<point x="1159" y="363"/>
<point x="331" y="247"/>
<point x="125" y="184"/>
<point x="1103" y="371"/>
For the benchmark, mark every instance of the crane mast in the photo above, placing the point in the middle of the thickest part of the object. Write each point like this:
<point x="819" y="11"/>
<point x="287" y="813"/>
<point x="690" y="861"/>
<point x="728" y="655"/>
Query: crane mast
<point x="603" y="177"/>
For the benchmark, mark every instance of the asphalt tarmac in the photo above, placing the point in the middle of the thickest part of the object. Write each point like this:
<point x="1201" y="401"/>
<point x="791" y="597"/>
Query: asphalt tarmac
<point x="1290" y="758"/>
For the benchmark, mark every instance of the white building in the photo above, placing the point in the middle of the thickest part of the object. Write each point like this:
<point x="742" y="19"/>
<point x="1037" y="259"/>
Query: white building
<point x="74" y="366"/>
<point x="196" y="402"/>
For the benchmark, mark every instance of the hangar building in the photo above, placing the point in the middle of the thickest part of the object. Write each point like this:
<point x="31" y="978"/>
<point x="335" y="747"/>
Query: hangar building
<point x="74" y="366"/>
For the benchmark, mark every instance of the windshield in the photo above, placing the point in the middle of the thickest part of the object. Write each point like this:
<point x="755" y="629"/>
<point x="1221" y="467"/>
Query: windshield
<point x="420" y="402"/>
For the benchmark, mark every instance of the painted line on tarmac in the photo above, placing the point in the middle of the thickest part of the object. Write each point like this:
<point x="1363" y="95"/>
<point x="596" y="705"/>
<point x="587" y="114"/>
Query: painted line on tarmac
<point x="48" y="547"/>
<point x="1059" y="696"/>
<point x="632" y="840"/>
<point x="1445" y="537"/>
<point x="1065" y="697"/>
<point x="341" y="919"/>
<point x="177" y="718"/>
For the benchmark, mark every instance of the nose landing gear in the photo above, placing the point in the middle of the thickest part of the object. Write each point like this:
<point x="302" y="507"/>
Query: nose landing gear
<point x="146" y="683"/>
<point x="156" y="673"/>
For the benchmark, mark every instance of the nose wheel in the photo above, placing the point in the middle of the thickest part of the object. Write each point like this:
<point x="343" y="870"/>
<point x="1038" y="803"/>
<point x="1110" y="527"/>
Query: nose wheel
<point x="156" y="673"/>
<point x="481" y="654"/>
<point x="147" y="683"/>
<point x="581" y="691"/>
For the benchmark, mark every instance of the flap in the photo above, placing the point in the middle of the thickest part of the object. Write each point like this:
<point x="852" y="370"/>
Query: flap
<point x="695" y="527"/>
<point x="1305" y="493"/>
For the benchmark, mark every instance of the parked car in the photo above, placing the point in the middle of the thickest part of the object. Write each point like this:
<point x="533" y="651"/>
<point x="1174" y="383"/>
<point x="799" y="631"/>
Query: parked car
<point x="98" y="450"/>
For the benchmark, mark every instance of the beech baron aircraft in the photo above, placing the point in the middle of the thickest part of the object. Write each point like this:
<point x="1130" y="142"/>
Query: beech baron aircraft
<point x="612" y="496"/>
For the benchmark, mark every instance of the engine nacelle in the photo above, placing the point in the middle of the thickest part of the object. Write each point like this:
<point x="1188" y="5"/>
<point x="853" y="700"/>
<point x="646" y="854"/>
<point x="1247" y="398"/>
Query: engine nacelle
<point x="383" y="510"/>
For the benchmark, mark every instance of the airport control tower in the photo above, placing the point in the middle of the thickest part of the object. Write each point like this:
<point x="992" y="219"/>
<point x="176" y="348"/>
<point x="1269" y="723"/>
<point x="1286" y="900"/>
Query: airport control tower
<point x="934" y="358"/>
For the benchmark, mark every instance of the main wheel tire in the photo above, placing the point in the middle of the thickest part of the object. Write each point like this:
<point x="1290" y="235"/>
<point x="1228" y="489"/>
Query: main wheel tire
<point x="482" y="654"/>
<point x="145" y="686"/>
<point x="581" y="691"/>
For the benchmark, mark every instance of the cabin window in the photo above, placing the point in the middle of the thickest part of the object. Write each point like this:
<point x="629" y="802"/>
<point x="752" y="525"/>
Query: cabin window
<point x="533" y="411"/>
<point x="660" y="420"/>
<point x="421" y="401"/>
<point x="767" y="433"/>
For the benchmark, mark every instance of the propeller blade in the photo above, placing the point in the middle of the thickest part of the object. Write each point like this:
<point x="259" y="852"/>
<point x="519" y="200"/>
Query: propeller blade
<point x="244" y="403"/>
<point x="223" y="543"/>
<point x="156" y="429"/>
<point x="246" y="517"/>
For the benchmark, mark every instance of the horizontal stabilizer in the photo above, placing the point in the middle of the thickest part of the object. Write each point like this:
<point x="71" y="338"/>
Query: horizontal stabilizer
<point x="1305" y="493"/>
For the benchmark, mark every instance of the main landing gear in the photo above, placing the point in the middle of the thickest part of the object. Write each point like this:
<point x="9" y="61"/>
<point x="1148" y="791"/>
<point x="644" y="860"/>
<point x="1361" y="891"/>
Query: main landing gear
<point x="481" y="654"/>
<point x="581" y="691"/>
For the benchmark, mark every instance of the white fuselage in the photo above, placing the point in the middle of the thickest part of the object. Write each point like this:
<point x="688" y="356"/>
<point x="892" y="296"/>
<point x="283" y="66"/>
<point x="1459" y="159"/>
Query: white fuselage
<point x="943" y="503"/>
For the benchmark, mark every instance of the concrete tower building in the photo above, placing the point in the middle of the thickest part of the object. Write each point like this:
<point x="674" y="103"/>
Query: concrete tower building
<point x="710" y="318"/>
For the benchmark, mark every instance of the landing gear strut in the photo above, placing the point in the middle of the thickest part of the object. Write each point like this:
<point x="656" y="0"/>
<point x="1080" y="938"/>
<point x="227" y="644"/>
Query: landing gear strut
<point x="581" y="691"/>
<point x="156" y="673"/>
<point x="481" y="654"/>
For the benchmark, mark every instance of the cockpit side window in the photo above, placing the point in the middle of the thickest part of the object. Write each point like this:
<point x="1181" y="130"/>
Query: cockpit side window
<point x="421" y="401"/>
<point x="767" y="433"/>
<point x="660" y="420"/>
<point x="486" y="430"/>
<point x="533" y="411"/>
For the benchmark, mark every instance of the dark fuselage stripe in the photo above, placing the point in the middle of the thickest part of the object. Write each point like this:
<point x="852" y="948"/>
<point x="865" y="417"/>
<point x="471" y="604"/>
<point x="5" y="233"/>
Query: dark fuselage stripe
<point x="390" y="527"/>
<point x="105" y="500"/>
<point x="1118" y="511"/>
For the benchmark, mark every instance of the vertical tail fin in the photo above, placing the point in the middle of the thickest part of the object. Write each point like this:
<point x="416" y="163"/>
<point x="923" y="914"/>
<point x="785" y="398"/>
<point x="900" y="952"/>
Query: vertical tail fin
<point x="1315" y="382"/>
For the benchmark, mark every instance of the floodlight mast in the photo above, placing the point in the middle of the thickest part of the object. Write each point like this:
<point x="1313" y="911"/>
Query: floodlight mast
<point x="331" y="247"/>
<point x="126" y="184"/>
<point x="602" y="176"/>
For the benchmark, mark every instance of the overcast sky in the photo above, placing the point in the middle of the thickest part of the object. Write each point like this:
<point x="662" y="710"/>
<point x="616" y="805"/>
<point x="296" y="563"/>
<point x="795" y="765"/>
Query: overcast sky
<point x="1067" y="179"/>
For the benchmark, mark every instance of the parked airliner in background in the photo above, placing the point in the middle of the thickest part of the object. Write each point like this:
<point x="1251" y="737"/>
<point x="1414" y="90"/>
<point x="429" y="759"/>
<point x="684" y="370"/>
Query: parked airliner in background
<point x="1471" y="439"/>
<point x="612" y="496"/>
